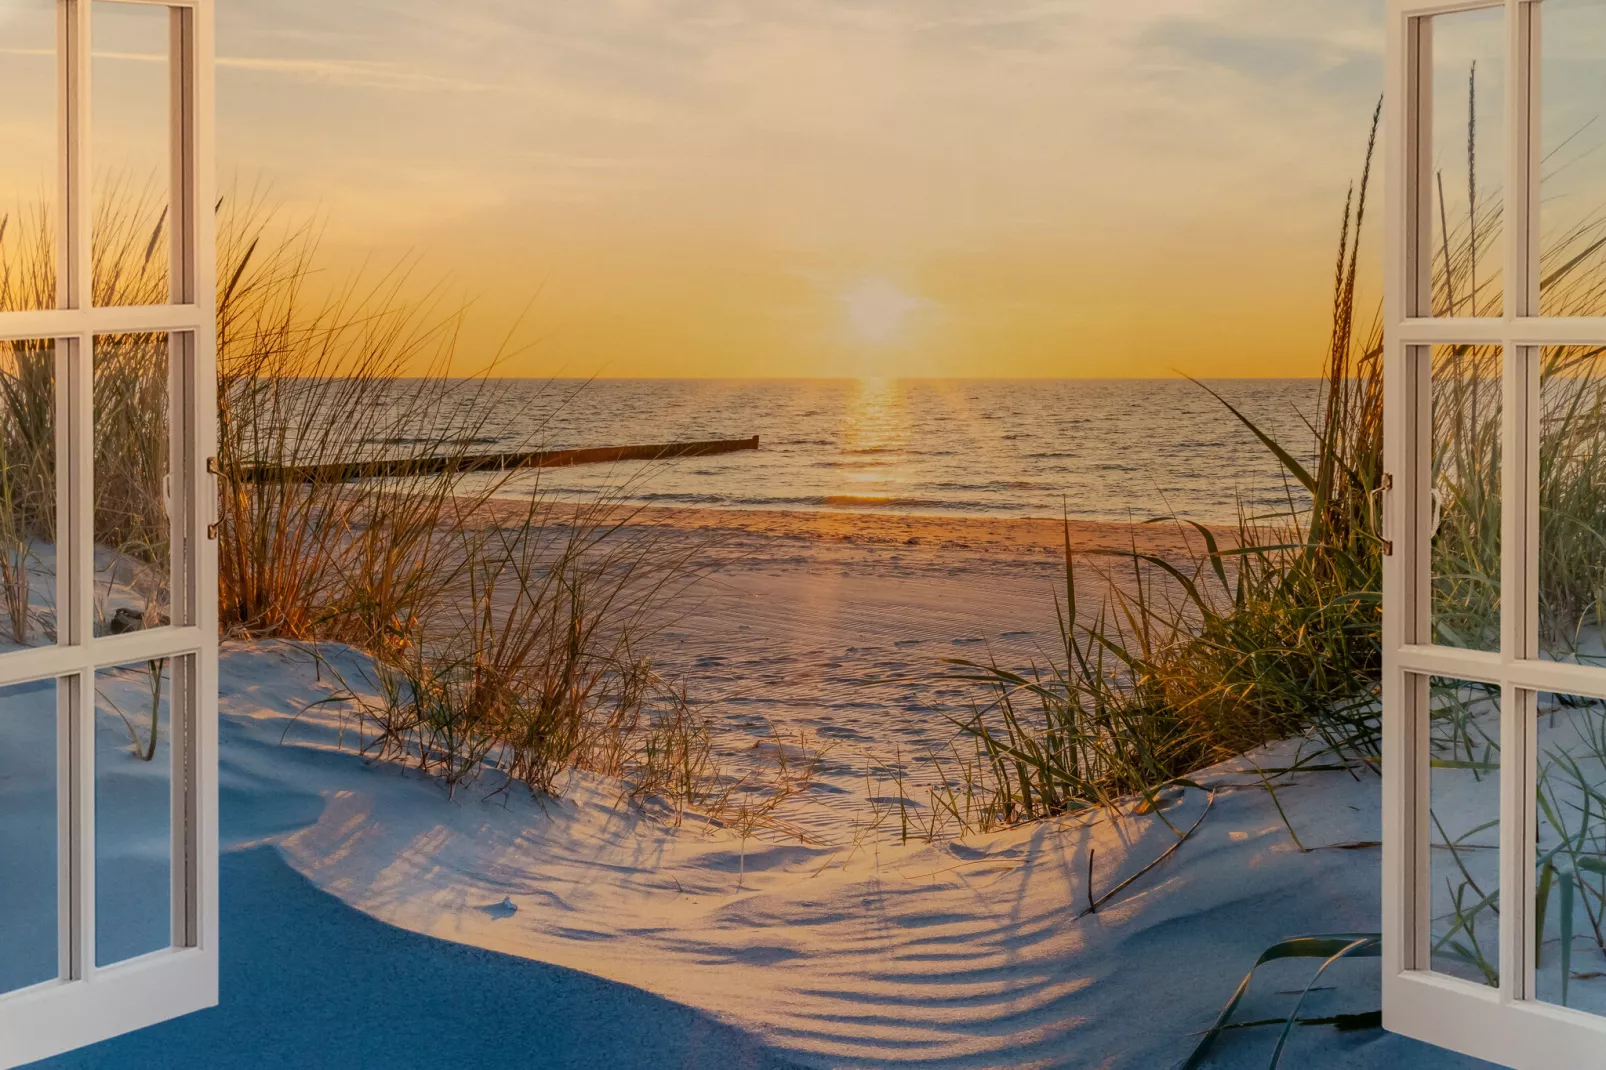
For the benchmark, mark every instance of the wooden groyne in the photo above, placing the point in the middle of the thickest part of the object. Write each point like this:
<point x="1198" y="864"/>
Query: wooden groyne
<point x="347" y="471"/>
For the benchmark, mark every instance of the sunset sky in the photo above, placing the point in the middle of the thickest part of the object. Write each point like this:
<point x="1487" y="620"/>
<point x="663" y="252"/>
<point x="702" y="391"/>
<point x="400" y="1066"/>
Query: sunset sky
<point x="825" y="187"/>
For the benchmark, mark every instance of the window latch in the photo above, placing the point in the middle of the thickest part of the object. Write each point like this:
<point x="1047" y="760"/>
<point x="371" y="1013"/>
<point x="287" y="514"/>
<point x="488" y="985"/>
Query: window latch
<point x="212" y="468"/>
<point x="1386" y="486"/>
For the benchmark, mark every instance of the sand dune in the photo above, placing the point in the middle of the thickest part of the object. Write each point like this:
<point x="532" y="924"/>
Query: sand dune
<point x="846" y="946"/>
<point x="862" y="953"/>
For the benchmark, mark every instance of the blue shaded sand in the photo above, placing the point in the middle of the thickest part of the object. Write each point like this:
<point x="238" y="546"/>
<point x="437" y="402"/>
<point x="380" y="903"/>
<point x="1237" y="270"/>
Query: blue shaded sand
<point x="308" y="982"/>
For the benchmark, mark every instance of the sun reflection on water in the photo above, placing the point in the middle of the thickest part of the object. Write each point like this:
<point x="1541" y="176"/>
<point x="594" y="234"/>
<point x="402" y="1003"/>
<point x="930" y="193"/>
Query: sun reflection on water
<point x="875" y="443"/>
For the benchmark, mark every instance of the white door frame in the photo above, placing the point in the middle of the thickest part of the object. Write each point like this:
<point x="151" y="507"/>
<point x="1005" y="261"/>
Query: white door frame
<point x="1504" y="1024"/>
<point x="86" y="1003"/>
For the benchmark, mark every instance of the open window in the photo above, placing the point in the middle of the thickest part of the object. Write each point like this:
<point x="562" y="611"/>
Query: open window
<point x="1495" y="588"/>
<point x="108" y="622"/>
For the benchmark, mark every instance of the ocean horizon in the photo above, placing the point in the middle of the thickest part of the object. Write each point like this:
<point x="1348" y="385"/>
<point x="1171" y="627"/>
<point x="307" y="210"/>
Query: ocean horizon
<point x="1093" y="449"/>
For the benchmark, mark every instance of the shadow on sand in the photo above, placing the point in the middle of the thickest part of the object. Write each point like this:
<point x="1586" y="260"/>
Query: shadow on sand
<point x="329" y="986"/>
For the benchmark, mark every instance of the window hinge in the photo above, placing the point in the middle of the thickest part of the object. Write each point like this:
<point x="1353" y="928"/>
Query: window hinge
<point x="212" y="530"/>
<point x="212" y="467"/>
<point x="1388" y="547"/>
<point x="1388" y="480"/>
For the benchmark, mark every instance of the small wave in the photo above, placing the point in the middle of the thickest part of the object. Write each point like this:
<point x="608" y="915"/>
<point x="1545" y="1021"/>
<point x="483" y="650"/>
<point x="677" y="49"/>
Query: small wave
<point x="827" y="501"/>
<point x="915" y="505"/>
<point x="683" y="499"/>
<point x="997" y="486"/>
<point x="430" y="440"/>
<point x="861" y="499"/>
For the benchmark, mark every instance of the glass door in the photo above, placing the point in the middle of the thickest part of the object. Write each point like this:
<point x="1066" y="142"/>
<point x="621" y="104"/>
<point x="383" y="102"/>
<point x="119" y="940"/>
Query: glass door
<point x="1494" y="684"/>
<point x="108" y="623"/>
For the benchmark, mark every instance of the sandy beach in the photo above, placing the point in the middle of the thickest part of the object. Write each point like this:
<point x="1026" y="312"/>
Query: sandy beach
<point x="835" y="631"/>
<point x="839" y="628"/>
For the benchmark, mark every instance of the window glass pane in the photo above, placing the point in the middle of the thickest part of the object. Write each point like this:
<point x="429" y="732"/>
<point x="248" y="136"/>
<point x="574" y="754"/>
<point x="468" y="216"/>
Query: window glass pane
<point x="133" y="554"/>
<point x="130" y="232"/>
<point x="28" y="174"/>
<point x="1464" y="829"/>
<point x="28" y="836"/>
<point x="1468" y="161"/>
<point x="1572" y="503"/>
<point x="27" y="494"/>
<point x="1570" y="881"/>
<point x="133" y="810"/>
<point x="1464" y="521"/>
<point x="1572" y="178"/>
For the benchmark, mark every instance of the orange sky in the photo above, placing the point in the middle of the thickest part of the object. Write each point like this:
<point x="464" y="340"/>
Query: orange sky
<point x="822" y="187"/>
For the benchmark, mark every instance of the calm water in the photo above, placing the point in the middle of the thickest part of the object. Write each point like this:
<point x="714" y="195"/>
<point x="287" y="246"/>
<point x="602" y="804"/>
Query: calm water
<point x="1107" y="449"/>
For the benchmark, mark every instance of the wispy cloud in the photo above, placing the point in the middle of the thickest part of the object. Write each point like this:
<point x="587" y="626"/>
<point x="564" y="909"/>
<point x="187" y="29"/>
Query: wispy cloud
<point x="362" y="73"/>
<point x="358" y="73"/>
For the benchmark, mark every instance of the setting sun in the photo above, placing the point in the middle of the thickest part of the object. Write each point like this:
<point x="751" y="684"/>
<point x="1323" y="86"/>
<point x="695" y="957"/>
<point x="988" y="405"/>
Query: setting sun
<point x="878" y="309"/>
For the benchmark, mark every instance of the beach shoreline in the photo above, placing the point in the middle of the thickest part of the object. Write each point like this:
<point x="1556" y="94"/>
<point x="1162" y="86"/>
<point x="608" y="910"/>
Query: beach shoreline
<point x="904" y="532"/>
<point x="984" y="534"/>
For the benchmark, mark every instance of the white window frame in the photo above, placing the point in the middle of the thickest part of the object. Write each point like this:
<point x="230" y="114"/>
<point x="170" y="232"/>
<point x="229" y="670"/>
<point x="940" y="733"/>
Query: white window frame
<point x="87" y="1003"/>
<point x="1504" y="1024"/>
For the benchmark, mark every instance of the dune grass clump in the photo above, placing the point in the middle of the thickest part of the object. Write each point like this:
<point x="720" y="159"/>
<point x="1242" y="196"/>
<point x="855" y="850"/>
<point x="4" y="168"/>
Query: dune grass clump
<point x="505" y="628"/>
<point x="504" y="634"/>
<point x="528" y="664"/>
<point x="1272" y="629"/>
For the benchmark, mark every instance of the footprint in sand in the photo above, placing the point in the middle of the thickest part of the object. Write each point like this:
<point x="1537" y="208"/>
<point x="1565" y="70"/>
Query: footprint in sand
<point x="968" y="642"/>
<point x="1018" y="635"/>
<point x="908" y="642"/>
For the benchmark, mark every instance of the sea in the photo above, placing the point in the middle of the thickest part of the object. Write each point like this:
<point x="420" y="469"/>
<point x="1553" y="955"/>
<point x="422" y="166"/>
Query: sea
<point x="1116" y="449"/>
